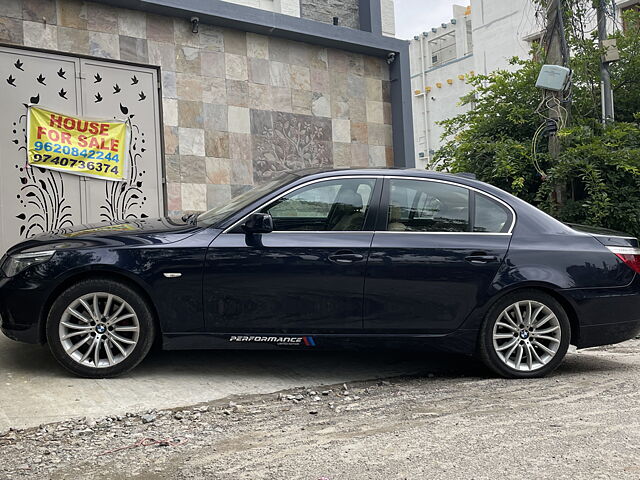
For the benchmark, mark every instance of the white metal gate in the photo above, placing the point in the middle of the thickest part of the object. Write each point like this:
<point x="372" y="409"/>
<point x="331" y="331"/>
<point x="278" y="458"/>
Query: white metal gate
<point x="35" y="200"/>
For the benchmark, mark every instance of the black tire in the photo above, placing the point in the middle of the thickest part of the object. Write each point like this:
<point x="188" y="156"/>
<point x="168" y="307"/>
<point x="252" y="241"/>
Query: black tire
<point x="487" y="347"/>
<point x="136" y="303"/>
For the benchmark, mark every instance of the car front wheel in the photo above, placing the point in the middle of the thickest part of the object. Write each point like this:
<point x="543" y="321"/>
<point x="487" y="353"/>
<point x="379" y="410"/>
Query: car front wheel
<point x="526" y="334"/>
<point x="100" y="328"/>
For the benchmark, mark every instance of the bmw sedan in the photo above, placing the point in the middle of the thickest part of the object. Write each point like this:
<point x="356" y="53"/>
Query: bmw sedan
<point x="329" y="259"/>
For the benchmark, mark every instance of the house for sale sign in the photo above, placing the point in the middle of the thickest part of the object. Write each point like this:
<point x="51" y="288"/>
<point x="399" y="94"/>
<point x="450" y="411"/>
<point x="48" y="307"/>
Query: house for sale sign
<point x="92" y="148"/>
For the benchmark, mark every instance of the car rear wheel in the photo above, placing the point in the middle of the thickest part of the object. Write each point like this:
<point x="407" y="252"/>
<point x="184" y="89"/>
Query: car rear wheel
<point x="100" y="328"/>
<point x="526" y="334"/>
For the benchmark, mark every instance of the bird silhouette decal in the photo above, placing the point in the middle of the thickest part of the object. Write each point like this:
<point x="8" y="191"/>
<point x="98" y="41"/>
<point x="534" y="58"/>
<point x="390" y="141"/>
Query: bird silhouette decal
<point x="11" y="81"/>
<point x="98" y="97"/>
<point x="18" y="65"/>
<point x="35" y="100"/>
<point x="62" y="73"/>
<point x="41" y="79"/>
<point x="134" y="80"/>
<point x="97" y="77"/>
<point x="124" y="109"/>
<point x="116" y="89"/>
<point x="142" y="96"/>
<point x="62" y="93"/>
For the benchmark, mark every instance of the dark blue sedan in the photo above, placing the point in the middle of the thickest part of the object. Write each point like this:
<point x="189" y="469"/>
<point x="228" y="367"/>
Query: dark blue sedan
<point x="324" y="259"/>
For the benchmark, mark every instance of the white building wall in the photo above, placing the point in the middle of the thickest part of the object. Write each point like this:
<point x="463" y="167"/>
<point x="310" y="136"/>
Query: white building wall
<point x="446" y="85"/>
<point x="506" y="29"/>
<point x="388" y="18"/>
<point x="287" y="7"/>
<point x="502" y="30"/>
<point x="439" y="79"/>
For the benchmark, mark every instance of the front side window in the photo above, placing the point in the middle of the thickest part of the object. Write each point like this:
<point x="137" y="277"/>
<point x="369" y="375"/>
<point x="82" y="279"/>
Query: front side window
<point x="331" y="205"/>
<point x="423" y="206"/>
<point x="218" y="214"/>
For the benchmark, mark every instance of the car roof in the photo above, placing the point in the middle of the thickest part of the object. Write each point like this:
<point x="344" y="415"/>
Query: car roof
<point x="411" y="172"/>
<point x="463" y="178"/>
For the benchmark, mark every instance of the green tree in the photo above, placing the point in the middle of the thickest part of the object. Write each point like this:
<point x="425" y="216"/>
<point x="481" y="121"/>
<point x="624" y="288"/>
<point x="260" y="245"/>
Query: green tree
<point x="501" y="137"/>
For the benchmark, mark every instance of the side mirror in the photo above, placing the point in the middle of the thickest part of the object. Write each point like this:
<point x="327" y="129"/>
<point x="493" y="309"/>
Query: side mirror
<point x="258" y="223"/>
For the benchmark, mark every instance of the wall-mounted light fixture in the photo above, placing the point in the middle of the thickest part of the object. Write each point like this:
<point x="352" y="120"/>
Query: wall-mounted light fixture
<point x="195" y="23"/>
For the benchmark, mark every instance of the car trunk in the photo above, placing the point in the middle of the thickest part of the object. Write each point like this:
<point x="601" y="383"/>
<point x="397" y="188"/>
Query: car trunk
<point x="609" y="238"/>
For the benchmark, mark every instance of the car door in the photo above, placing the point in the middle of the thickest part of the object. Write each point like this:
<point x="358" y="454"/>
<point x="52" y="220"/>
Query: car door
<point x="436" y="250"/>
<point x="305" y="276"/>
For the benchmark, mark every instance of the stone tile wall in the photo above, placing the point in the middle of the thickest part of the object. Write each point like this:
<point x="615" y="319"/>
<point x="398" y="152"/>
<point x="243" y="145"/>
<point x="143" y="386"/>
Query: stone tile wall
<point x="238" y="108"/>
<point x="347" y="11"/>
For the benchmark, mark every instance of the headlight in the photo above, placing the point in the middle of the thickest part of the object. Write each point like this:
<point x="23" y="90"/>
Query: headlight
<point x="14" y="264"/>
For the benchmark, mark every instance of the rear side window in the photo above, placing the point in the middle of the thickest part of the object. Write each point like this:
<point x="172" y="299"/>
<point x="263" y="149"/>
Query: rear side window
<point x="491" y="216"/>
<point x="422" y="206"/>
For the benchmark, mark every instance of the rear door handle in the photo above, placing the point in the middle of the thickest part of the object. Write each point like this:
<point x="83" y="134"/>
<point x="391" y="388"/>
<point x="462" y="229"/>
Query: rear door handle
<point x="346" y="257"/>
<point x="479" y="259"/>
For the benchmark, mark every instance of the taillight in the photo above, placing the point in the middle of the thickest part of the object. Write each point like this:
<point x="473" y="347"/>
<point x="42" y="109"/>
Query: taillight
<point x="629" y="255"/>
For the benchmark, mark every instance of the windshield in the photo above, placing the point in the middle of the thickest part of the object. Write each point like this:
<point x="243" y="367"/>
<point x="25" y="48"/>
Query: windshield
<point x="216" y="215"/>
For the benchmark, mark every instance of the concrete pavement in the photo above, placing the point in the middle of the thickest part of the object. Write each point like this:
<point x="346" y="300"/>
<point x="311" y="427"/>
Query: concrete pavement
<point x="580" y="422"/>
<point x="35" y="390"/>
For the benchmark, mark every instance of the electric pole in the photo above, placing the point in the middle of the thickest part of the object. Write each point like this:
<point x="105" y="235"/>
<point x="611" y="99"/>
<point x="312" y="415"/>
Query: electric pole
<point x="557" y="53"/>
<point x="554" y="57"/>
<point x="605" y="77"/>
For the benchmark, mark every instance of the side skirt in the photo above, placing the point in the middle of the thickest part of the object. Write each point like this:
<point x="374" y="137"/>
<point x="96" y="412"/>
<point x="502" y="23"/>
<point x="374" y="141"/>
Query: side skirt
<point x="460" y="341"/>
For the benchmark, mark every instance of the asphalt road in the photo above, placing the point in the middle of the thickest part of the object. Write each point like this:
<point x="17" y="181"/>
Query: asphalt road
<point x="35" y="390"/>
<point x="458" y="423"/>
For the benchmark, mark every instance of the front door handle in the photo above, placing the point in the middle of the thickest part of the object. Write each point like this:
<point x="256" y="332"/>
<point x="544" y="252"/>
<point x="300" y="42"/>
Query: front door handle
<point x="481" y="258"/>
<point x="346" y="257"/>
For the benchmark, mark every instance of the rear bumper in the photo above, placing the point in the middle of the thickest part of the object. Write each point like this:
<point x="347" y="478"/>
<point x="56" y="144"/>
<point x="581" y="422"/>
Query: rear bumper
<point x="606" y="315"/>
<point x="607" y="334"/>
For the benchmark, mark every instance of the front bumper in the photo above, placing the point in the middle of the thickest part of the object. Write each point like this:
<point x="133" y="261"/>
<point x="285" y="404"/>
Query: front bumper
<point x="21" y="333"/>
<point x="21" y="302"/>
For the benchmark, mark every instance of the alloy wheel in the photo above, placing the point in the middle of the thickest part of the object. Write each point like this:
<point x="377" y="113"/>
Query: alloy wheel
<point x="99" y="330"/>
<point x="527" y="335"/>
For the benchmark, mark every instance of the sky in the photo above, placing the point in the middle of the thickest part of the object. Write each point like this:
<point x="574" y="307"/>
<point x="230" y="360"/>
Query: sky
<point x="416" y="16"/>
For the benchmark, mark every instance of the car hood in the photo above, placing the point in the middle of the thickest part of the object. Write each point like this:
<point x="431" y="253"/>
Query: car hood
<point x="135" y="232"/>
